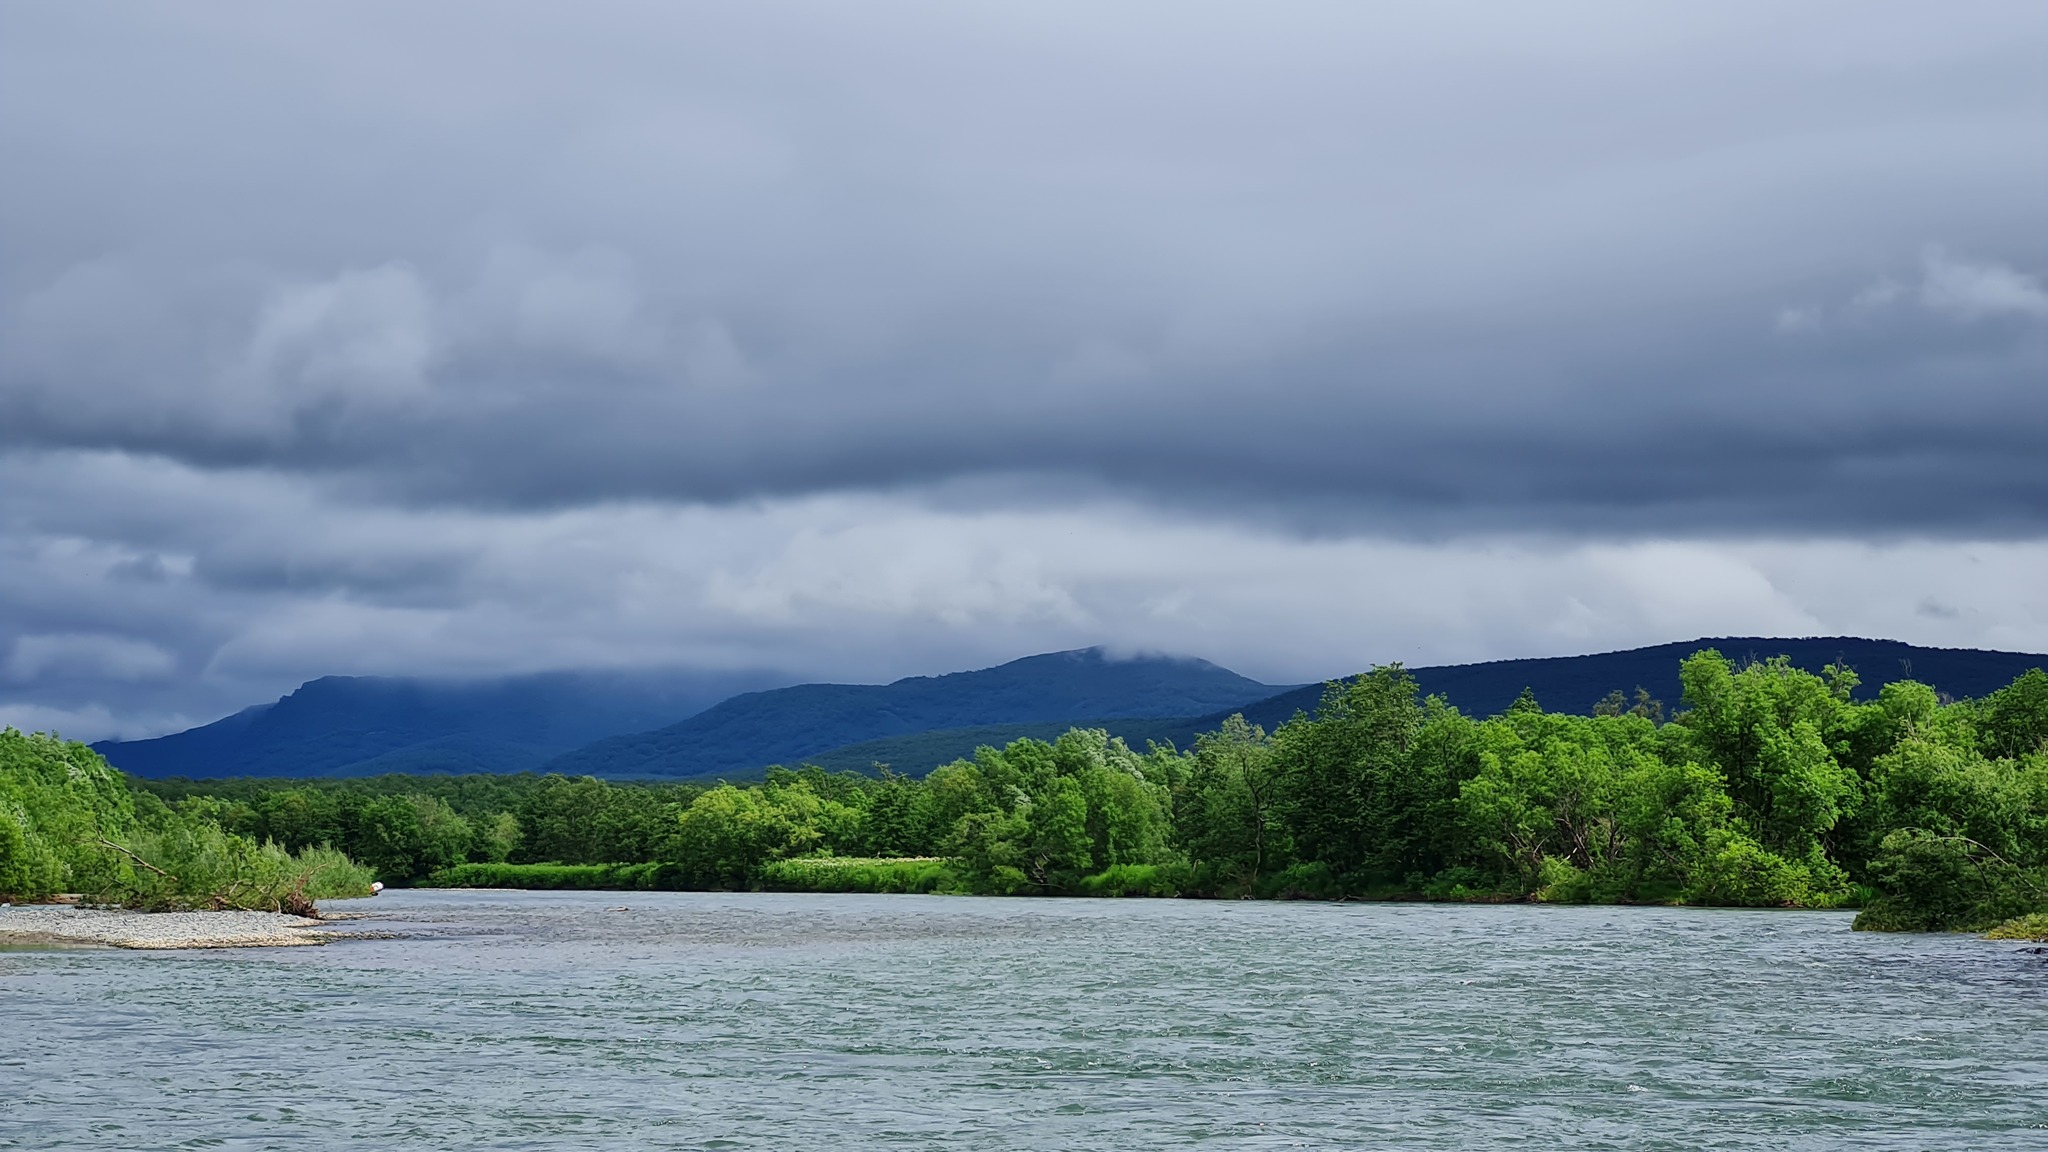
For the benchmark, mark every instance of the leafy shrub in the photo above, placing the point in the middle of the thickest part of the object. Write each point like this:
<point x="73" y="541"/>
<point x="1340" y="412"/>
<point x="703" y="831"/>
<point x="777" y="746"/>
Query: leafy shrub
<point x="1158" y="880"/>
<point x="860" y="874"/>
<point x="1738" y="872"/>
<point x="58" y="799"/>
<point x="188" y="863"/>
<point x="1932" y="883"/>
<point x="2033" y="926"/>
<point x="801" y="874"/>
<point x="1463" y="883"/>
<point x="1004" y="880"/>
<point x="1309" y="880"/>
<point x="1560" y="882"/>
<point x="29" y="868"/>
<point x="650" y="876"/>
<point x="585" y="877"/>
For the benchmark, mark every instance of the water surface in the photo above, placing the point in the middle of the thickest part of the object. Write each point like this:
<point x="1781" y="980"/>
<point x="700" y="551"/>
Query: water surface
<point x="673" y="1020"/>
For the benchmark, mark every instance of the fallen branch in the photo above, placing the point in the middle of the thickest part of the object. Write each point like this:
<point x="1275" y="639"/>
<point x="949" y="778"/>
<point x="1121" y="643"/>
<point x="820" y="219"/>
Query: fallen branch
<point x="106" y="843"/>
<point x="2018" y="872"/>
<point x="297" y="903"/>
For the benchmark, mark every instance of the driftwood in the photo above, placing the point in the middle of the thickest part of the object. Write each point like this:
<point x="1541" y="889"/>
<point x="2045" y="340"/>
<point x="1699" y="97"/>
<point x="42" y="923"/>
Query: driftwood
<point x="106" y="843"/>
<point x="297" y="903"/>
<point x="294" y="902"/>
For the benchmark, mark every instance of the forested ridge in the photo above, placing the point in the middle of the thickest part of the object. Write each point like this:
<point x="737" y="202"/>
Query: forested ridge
<point x="680" y="725"/>
<point x="661" y="723"/>
<point x="1765" y="786"/>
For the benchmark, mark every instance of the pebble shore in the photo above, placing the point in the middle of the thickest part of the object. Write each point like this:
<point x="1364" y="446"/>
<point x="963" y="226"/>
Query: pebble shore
<point x="59" y="924"/>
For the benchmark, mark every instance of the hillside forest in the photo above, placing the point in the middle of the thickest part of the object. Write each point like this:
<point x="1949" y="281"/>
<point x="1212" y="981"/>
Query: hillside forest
<point x="1767" y="786"/>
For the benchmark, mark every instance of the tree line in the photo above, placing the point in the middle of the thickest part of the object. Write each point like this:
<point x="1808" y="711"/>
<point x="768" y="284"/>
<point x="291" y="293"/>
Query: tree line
<point x="1768" y="786"/>
<point x="71" y="824"/>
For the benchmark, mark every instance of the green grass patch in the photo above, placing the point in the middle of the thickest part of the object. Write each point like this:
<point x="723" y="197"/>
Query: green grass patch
<point x="860" y="874"/>
<point x="1159" y="880"/>
<point x="804" y="874"/>
<point x="583" y="877"/>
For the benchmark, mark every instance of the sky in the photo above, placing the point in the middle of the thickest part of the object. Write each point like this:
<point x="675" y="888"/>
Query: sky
<point x="861" y="341"/>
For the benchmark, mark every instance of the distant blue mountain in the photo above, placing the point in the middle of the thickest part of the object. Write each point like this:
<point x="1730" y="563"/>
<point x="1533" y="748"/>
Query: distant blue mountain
<point x="1576" y="683"/>
<point x="1560" y="683"/>
<point x="364" y="725"/>
<point x="674" y="725"/>
<point x="785" y="725"/>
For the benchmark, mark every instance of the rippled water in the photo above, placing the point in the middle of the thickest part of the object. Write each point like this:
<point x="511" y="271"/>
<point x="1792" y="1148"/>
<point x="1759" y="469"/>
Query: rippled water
<point x="555" y="1020"/>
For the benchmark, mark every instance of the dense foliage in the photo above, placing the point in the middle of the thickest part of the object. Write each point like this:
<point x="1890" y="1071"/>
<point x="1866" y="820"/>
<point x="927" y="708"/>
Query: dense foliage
<point x="59" y="804"/>
<point x="68" y="823"/>
<point x="405" y="828"/>
<point x="1769" y="787"/>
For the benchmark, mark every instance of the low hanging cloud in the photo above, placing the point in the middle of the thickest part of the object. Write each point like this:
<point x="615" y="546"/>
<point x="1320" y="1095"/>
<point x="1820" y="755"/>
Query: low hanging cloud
<point x="865" y="342"/>
<point x="1979" y="290"/>
<point x="38" y="656"/>
<point x="1961" y="290"/>
<point x="266" y="582"/>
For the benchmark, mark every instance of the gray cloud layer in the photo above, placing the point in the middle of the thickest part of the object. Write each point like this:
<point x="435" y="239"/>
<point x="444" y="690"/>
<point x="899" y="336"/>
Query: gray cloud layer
<point x="391" y="338"/>
<point x="1415" y="270"/>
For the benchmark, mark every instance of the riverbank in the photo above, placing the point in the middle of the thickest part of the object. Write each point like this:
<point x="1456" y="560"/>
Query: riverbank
<point x="66" y="925"/>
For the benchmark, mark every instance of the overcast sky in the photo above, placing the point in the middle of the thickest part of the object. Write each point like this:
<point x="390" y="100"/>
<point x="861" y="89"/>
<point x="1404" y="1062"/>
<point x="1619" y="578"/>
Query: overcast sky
<point x="856" y="341"/>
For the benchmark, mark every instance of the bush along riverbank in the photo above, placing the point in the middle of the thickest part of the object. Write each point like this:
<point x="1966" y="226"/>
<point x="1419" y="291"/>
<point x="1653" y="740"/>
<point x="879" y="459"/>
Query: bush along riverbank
<point x="69" y="823"/>
<point x="801" y="874"/>
<point x="1771" y="787"/>
<point x="650" y="877"/>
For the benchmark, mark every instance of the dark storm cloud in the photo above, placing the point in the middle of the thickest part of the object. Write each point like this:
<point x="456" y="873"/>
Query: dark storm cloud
<point x="1623" y="269"/>
<point x="869" y="340"/>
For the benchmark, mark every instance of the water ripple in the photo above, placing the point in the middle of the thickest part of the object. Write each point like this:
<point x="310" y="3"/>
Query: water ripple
<point x="547" y="1021"/>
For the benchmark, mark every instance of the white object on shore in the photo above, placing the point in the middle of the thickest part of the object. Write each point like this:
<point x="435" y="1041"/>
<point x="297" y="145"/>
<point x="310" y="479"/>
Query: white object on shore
<point x="376" y="886"/>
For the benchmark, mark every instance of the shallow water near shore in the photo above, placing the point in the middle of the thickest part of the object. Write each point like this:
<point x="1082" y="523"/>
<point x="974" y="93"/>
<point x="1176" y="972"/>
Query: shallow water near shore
<point x="678" y="1020"/>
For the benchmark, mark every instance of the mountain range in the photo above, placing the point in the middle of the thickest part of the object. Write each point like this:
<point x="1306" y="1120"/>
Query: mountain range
<point x="682" y="726"/>
<point x="788" y="724"/>
<point x="368" y="725"/>
<point x="1562" y="683"/>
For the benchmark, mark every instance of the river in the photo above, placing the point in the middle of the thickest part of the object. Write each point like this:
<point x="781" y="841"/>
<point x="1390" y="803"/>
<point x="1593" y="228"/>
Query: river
<point x="675" y="1020"/>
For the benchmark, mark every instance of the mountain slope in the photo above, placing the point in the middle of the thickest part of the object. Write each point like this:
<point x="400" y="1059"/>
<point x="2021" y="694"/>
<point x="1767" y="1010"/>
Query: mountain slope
<point x="352" y="726"/>
<point x="787" y="724"/>
<point x="1561" y="683"/>
<point x="570" y="722"/>
<point x="919" y="752"/>
<point x="1576" y="683"/>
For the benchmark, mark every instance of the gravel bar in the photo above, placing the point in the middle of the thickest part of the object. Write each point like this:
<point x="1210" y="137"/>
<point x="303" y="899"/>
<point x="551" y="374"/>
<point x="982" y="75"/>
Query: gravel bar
<point x="59" y="924"/>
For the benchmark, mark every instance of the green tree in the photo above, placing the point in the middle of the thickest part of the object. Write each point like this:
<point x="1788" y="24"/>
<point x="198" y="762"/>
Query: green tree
<point x="2014" y="719"/>
<point x="1767" y="728"/>
<point x="403" y="838"/>
<point x="1348" y="797"/>
<point x="728" y="834"/>
<point x="895" y="823"/>
<point x="1058" y="853"/>
<point x="1224" y="816"/>
<point x="60" y="806"/>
